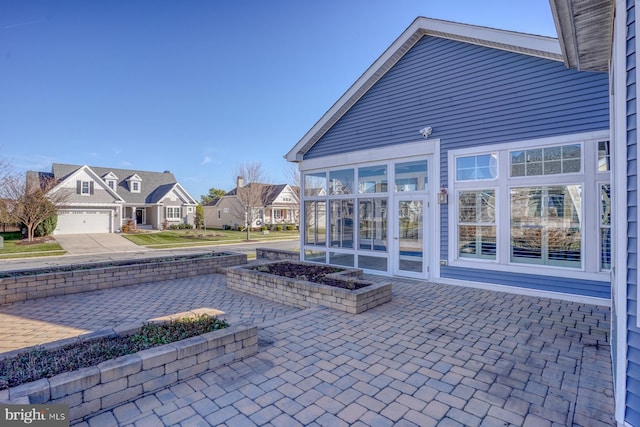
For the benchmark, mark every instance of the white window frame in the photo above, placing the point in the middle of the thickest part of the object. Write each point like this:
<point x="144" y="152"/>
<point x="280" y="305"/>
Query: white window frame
<point x="171" y="212"/>
<point x="85" y="191"/>
<point x="589" y="178"/>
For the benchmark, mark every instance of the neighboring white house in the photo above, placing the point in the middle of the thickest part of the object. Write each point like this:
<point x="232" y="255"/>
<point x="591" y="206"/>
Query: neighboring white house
<point x="102" y="200"/>
<point x="275" y="204"/>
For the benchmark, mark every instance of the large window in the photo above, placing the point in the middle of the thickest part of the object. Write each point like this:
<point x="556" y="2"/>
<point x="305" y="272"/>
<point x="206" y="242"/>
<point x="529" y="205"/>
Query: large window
<point x="314" y="222"/>
<point x="341" y="223"/>
<point x="372" y="179"/>
<point x="476" y="224"/>
<point x="173" y="212"/>
<point x="516" y="208"/>
<point x="315" y="184"/>
<point x="372" y="223"/>
<point x="411" y="176"/>
<point x="546" y="225"/>
<point x="341" y="182"/>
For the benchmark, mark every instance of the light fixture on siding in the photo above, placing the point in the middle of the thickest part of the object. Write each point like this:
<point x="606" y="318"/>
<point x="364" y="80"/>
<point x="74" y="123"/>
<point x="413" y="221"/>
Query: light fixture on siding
<point x="426" y="131"/>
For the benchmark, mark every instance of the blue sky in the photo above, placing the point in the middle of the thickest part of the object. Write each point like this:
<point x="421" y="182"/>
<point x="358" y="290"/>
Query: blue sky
<point x="197" y="87"/>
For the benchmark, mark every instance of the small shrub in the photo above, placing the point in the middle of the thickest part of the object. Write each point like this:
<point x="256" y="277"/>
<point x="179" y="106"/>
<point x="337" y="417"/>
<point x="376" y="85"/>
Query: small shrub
<point x="40" y="363"/>
<point x="290" y="227"/>
<point x="264" y="228"/>
<point x="278" y="228"/>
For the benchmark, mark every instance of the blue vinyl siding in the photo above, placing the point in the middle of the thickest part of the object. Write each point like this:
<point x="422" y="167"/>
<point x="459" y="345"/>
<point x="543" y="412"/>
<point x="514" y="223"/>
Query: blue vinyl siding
<point x="471" y="95"/>
<point x="529" y="281"/>
<point x="632" y="415"/>
<point x="474" y="96"/>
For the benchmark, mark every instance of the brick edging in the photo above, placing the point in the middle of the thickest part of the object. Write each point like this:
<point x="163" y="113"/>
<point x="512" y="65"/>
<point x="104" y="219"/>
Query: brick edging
<point x="107" y="275"/>
<point x="303" y="294"/>
<point x="92" y="390"/>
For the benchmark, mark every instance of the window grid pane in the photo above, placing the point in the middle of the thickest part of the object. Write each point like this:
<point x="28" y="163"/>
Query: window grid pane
<point x="411" y="176"/>
<point x="341" y="223"/>
<point x="476" y="224"/>
<point x="472" y="168"/>
<point x="341" y="182"/>
<point x="546" y="226"/>
<point x="372" y="215"/>
<point x="546" y="161"/>
<point x="372" y="179"/>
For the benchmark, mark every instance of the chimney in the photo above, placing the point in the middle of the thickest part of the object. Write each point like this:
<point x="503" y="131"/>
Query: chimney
<point x="240" y="182"/>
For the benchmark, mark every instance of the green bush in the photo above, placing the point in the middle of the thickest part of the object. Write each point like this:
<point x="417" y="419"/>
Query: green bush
<point x="46" y="227"/>
<point x="181" y="226"/>
<point x="290" y="227"/>
<point x="278" y="228"/>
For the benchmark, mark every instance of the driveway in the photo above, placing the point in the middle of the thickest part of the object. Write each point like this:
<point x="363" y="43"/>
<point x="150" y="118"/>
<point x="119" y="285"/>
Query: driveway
<point x="85" y="244"/>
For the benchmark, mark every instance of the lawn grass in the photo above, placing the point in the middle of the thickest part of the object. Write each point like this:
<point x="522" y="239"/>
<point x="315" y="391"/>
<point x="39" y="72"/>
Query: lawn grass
<point x="182" y="238"/>
<point x="14" y="249"/>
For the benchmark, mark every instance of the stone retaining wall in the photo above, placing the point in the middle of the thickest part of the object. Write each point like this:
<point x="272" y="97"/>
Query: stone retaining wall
<point x="303" y="294"/>
<point x="24" y="286"/>
<point x="89" y="391"/>
<point x="277" y="254"/>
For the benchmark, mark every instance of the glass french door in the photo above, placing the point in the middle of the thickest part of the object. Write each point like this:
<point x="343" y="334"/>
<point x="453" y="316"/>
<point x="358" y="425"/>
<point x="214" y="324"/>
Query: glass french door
<point x="409" y="237"/>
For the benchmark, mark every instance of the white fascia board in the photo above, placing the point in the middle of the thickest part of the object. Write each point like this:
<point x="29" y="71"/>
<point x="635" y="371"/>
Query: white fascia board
<point x="541" y="46"/>
<point x="95" y="177"/>
<point x="180" y="188"/>
<point x="398" y="151"/>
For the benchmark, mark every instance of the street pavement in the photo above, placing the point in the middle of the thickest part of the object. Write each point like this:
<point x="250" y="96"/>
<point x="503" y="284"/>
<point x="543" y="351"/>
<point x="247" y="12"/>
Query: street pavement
<point x="91" y="255"/>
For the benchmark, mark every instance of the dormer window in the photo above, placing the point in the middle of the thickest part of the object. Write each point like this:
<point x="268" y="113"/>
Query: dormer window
<point x="135" y="183"/>
<point x="111" y="179"/>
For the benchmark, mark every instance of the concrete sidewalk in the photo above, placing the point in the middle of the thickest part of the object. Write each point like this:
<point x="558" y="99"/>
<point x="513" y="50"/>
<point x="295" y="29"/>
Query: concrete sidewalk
<point x="435" y="355"/>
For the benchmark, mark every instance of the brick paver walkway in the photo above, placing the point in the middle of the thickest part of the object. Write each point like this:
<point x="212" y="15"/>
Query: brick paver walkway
<point x="435" y="355"/>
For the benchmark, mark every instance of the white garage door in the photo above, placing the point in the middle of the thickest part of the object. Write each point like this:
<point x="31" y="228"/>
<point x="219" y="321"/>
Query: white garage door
<point x="82" y="222"/>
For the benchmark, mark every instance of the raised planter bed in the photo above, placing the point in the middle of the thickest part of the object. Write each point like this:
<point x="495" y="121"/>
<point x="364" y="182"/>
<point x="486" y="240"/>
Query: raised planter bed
<point x="305" y="294"/>
<point x="40" y="283"/>
<point x="89" y="391"/>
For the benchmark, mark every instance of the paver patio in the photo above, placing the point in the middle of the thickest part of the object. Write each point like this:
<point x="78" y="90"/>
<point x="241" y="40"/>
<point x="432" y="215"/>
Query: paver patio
<point x="435" y="355"/>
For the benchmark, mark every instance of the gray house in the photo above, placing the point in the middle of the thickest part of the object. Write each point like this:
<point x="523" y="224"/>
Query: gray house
<point x="103" y="200"/>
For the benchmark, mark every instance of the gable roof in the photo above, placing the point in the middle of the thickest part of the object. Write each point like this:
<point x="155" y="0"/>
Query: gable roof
<point x="585" y="30"/>
<point x="527" y="44"/>
<point x="269" y="191"/>
<point x="153" y="188"/>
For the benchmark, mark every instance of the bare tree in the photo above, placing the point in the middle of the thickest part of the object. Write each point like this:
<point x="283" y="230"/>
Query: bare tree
<point x="250" y="193"/>
<point x="292" y="174"/>
<point x="28" y="199"/>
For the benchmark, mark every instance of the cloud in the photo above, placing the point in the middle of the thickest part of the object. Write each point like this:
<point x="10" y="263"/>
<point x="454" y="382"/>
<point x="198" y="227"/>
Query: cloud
<point x="206" y="160"/>
<point x="126" y="164"/>
<point x="22" y="24"/>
